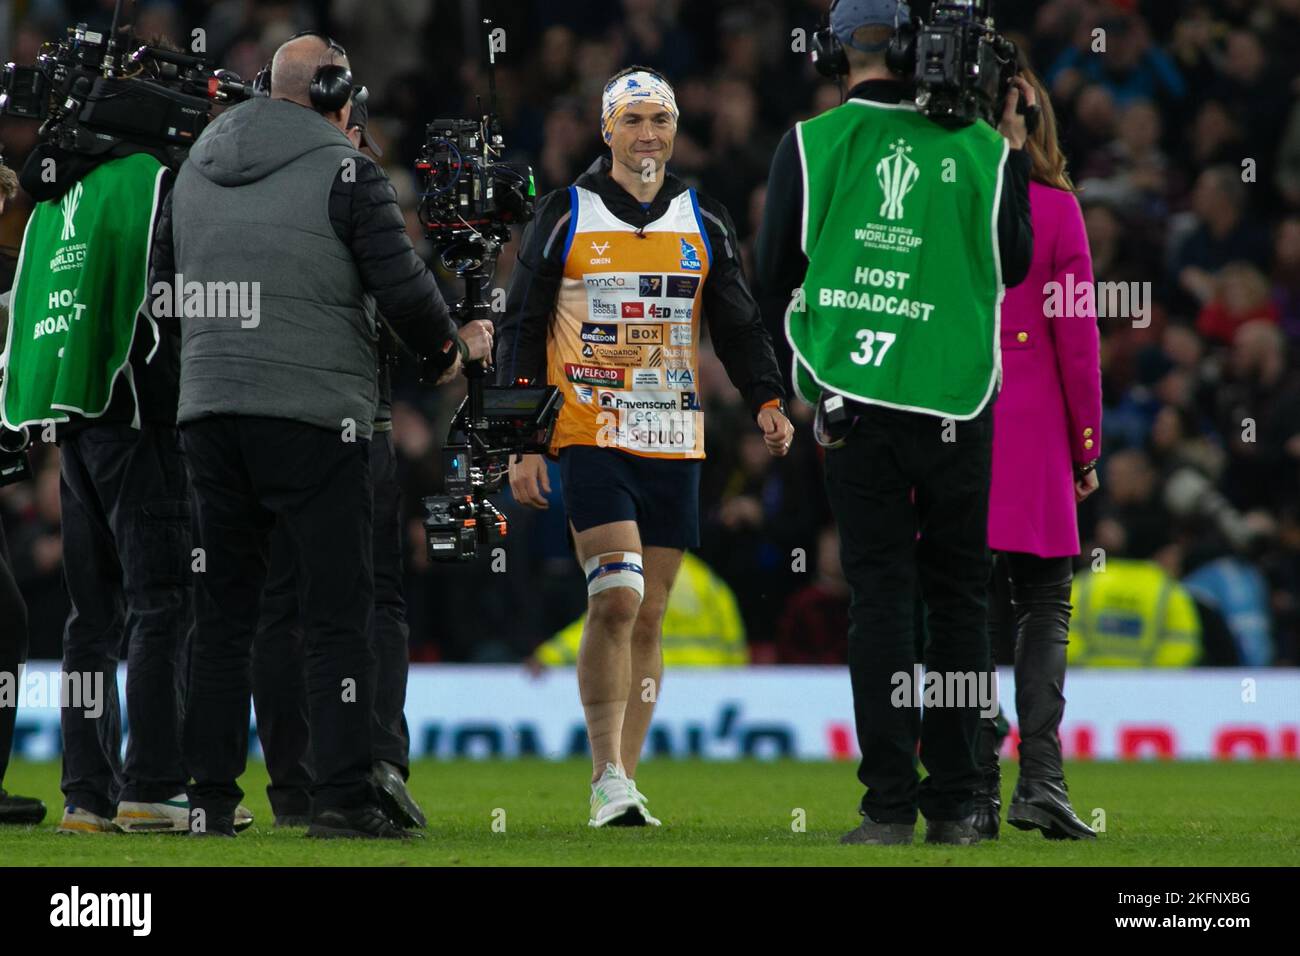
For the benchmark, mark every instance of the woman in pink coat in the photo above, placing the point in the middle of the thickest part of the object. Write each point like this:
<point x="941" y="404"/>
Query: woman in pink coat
<point x="1046" y="439"/>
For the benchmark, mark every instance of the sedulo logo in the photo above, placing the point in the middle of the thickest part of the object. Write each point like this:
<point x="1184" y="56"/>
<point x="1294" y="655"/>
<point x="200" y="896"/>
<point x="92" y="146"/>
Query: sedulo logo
<point x="76" y="909"/>
<point x="897" y="174"/>
<point x="71" y="200"/>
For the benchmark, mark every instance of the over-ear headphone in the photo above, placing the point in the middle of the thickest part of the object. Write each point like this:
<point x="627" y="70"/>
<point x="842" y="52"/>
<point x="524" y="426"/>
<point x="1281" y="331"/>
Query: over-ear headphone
<point x="830" y="58"/>
<point x="331" y="85"/>
<point x="828" y="54"/>
<point x="900" y="55"/>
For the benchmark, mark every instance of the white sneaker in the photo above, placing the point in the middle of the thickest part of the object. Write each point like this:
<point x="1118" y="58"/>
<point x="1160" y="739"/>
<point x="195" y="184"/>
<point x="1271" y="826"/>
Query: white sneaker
<point x="77" y="820"/>
<point x="169" y="816"/>
<point x="642" y="799"/>
<point x="615" y="802"/>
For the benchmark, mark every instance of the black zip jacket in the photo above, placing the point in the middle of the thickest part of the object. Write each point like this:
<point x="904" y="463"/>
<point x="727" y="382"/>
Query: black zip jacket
<point x="779" y="259"/>
<point x="734" y="322"/>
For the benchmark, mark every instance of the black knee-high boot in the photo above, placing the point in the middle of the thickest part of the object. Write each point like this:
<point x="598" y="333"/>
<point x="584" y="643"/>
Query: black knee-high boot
<point x="1040" y="594"/>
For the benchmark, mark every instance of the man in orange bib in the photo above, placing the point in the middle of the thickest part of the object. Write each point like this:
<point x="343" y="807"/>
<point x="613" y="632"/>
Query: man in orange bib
<point x="614" y="276"/>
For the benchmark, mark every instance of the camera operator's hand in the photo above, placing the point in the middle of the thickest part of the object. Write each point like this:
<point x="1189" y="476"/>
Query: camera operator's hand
<point x="477" y="335"/>
<point x="529" y="482"/>
<point x="452" y="371"/>
<point x="1013" y="122"/>
<point x="777" y="431"/>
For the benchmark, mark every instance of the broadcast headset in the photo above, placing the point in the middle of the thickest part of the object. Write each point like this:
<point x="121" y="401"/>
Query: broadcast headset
<point x="331" y="86"/>
<point x="831" y="60"/>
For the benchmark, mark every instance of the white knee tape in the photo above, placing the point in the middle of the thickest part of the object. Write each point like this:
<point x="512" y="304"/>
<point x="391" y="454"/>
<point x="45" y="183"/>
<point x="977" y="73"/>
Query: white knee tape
<point x="617" y="571"/>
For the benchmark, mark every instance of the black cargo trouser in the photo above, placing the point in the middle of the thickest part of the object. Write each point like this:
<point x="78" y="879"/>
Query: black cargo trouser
<point x="126" y="553"/>
<point x="892" y="544"/>
<point x="252" y="476"/>
<point x="279" y="692"/>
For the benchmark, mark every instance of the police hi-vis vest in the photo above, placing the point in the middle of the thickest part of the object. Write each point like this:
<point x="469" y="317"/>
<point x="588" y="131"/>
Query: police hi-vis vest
<point x="626" y="329"/>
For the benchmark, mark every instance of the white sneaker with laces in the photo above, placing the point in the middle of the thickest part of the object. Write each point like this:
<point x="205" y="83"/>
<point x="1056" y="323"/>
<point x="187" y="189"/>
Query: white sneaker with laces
<point x="169" y="816"/>
<point x="642" y="799"/>
<point x="615" y="802"/>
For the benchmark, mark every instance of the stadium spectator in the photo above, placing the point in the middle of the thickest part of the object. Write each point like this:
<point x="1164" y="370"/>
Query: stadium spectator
<point x="816" y="618"/>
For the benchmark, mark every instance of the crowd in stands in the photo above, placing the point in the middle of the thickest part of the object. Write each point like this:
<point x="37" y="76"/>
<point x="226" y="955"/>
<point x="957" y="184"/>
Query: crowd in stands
<point x="1183" y="139"/>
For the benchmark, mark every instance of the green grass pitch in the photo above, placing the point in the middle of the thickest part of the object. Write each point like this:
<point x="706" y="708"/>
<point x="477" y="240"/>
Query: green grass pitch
<point x="721" y="814"/>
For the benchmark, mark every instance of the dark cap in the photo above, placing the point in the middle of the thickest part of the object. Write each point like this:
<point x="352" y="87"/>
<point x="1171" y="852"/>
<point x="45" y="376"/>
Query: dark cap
<point x="361" y="113"/>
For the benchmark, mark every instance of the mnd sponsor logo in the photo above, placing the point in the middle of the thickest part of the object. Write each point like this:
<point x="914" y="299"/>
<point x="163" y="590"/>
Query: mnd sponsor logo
<point x="924" y="689"/>
<point x="77" y="909"/>
<point x="1084" y="298"/>
<point x="207" y="300"/>
<point x="79" y="690"/>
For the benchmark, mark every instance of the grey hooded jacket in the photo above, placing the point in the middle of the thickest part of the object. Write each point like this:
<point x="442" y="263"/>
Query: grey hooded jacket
<point x="275" y="199"/>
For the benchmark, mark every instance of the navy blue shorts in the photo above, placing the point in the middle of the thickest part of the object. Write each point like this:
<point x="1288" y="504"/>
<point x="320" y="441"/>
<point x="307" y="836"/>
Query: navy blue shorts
<point x="661" y="495"/>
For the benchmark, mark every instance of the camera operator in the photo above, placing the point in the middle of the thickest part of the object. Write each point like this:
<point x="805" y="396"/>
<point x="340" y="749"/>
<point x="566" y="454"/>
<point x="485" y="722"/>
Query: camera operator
<point x="85" y="359"/>
<point x="13" y="611"/>
<point x="279" y="692"/>
<point x="276" y="413"/>
<point x="902" y="232"/>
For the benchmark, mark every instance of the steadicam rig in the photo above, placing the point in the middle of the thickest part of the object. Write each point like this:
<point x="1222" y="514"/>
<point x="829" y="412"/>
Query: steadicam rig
<point x="469" y="200"/>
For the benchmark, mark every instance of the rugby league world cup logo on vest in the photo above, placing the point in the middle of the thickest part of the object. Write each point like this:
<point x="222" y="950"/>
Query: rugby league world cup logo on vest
<point x="69" y="204"/>
<point x="897" y="175"/>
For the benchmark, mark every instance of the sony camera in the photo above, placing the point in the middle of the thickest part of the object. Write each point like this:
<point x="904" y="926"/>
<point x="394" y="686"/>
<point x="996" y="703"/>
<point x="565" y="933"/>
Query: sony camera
<point x="962" y="66"/>
<point x="957" y="66"/>
<point x="467" y="190"/>
<point x="93" y="91"/>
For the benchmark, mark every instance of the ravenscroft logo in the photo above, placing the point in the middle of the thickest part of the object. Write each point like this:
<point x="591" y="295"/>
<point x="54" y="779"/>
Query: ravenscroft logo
<point x="645" y="401"/>
<point x="594" y="374"/>
<point x="897" y="175"/>
<point x="77" y="909"/>
<point x="71" y="200"/>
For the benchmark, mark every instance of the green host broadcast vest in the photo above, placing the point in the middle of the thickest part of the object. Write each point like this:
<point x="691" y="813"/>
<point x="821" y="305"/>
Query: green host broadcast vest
<point x="901" y="300"/>
<point x="80" y="283"/>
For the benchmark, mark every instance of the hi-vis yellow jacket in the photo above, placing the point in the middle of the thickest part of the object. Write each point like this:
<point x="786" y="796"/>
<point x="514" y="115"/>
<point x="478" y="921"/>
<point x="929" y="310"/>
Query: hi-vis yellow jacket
<point x="1132" y="614"/>
<point x="702" y="626"/>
